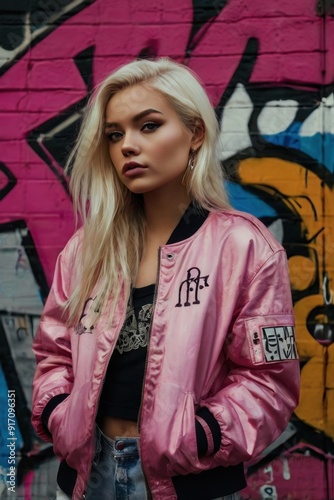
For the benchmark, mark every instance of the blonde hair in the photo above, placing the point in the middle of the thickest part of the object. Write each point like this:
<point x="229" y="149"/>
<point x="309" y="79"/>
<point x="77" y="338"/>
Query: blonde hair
<point x="113" y="217"/>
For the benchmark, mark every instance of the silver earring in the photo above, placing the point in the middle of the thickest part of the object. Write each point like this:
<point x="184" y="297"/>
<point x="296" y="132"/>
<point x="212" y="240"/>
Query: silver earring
<point x="191" y="161"/>
<point x="190" y="166"/>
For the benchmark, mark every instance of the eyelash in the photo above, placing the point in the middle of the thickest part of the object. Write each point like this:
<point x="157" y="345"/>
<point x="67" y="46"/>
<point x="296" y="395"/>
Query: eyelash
<point x="155" y="124"/>
<point x="113" y="139"/>
<point x="111" y="136"/>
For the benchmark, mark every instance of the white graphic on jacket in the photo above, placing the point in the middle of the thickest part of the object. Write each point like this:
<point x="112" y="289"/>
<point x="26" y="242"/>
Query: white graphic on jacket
<point x="88" y="317"/>
<point x="279" y="343"/>
<point x="133" y="336"/>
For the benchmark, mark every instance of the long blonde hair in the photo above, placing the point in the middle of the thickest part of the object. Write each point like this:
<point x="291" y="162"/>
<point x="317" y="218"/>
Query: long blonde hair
<point x="113" y="217"/>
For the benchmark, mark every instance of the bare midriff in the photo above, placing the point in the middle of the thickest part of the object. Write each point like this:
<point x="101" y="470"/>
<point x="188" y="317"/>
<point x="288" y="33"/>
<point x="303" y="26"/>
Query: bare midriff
<point x="119" y="427"/>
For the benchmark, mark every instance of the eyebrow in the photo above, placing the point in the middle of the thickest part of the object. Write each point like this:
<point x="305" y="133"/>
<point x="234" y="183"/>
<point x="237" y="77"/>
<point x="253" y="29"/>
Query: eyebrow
<point x="136" y="118"/>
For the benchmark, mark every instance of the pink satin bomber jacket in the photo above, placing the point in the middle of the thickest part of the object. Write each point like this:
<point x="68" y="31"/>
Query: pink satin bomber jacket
<point x="222" y="337"/>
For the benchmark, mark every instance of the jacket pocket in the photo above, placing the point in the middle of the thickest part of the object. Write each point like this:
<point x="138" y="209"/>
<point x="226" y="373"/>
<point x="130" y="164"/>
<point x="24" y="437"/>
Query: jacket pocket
<point x="183" y="456"/>
<point x="57" y="428"/>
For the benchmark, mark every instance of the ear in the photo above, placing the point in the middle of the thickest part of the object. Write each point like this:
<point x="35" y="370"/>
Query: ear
<point x="198" y="134"/>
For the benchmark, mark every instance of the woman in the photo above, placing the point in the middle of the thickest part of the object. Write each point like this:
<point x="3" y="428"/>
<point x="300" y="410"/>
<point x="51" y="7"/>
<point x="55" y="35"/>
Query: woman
<point x="168" y="331"/>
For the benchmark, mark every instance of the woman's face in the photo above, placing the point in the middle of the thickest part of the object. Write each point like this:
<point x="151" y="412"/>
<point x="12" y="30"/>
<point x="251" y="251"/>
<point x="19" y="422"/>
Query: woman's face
<point x="148" y="144"/>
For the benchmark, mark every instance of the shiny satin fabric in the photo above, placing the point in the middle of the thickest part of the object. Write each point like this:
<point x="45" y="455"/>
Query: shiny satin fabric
<point x="221" y="337"/>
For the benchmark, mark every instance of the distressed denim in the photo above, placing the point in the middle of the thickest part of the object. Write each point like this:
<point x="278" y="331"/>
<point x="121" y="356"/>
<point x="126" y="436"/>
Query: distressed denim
<point x="116" y="472"/>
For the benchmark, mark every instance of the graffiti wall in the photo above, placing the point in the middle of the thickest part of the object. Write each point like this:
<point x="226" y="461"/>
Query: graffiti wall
<point x="269" y="71"/>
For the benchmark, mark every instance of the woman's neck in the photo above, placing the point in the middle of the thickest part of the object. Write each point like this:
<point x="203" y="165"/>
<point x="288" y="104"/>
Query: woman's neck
<point x="163" y="212"/>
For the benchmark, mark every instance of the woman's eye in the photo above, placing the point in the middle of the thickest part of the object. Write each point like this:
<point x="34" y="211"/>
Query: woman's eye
<point x="150" y="126"/>
<point x="114" y="136"/>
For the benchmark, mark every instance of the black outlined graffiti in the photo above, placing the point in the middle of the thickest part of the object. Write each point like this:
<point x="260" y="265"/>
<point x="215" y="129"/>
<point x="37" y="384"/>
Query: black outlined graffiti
<point x="25" y="24"/>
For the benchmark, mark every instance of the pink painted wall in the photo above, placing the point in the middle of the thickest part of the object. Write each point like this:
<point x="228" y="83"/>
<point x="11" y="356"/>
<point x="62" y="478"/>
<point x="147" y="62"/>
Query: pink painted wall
<point x="45" y="80"/>
<point x="263" y="59"/>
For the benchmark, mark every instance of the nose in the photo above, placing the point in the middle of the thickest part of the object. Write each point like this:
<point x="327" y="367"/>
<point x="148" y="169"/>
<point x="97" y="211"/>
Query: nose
<point x="130" y="145"/>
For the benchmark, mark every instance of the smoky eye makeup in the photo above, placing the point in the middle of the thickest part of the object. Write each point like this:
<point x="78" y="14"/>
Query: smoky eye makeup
<point x="113" y="135"/>
<point x="113" y="131"/>
<point x="150" y="126"/>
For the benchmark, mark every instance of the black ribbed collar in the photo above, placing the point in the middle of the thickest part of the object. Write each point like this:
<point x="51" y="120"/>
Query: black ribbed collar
<point x="190" y="222"/>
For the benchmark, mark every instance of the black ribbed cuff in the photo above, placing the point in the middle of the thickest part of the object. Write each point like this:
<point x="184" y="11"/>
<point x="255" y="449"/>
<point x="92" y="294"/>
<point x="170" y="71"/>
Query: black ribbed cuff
<point x="50" y="406"/>
<point x="202" y="442"/>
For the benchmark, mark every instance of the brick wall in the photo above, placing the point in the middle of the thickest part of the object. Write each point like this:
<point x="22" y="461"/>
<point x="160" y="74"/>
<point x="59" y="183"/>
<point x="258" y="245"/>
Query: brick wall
<point x="268" y="67"/>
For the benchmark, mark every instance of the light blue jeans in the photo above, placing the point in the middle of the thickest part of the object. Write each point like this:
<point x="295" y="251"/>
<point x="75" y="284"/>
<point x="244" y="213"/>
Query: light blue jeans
<point x="116" y="472"/>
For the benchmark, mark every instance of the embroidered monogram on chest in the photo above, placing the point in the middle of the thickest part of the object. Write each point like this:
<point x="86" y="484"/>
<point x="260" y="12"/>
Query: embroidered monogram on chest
<point x="189" y="290"/>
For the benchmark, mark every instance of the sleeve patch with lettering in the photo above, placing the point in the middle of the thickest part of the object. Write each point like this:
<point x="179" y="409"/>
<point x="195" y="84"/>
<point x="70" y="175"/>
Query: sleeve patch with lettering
<point x="278" y="343"/>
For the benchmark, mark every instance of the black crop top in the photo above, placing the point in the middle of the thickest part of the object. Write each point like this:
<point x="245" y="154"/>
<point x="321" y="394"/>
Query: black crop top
<point x="122" y="388"/>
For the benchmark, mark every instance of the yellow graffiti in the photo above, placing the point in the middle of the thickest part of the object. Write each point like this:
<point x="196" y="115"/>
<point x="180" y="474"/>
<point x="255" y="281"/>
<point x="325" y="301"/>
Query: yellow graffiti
<point x="311" y="202"/>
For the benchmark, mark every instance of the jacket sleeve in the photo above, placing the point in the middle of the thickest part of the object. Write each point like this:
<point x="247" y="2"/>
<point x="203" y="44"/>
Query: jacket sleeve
<point x="261" y="388"/>
<point x="53" y="378"/>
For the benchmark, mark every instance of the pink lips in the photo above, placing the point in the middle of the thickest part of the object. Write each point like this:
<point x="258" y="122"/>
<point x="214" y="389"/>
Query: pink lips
<point x="132" y="169"/>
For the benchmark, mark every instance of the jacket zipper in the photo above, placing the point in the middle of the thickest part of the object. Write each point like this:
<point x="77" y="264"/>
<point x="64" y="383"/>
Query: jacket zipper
<point x="107" y="363"/>
<point x="146" y="363"/>
<point x="149" y="338"/>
